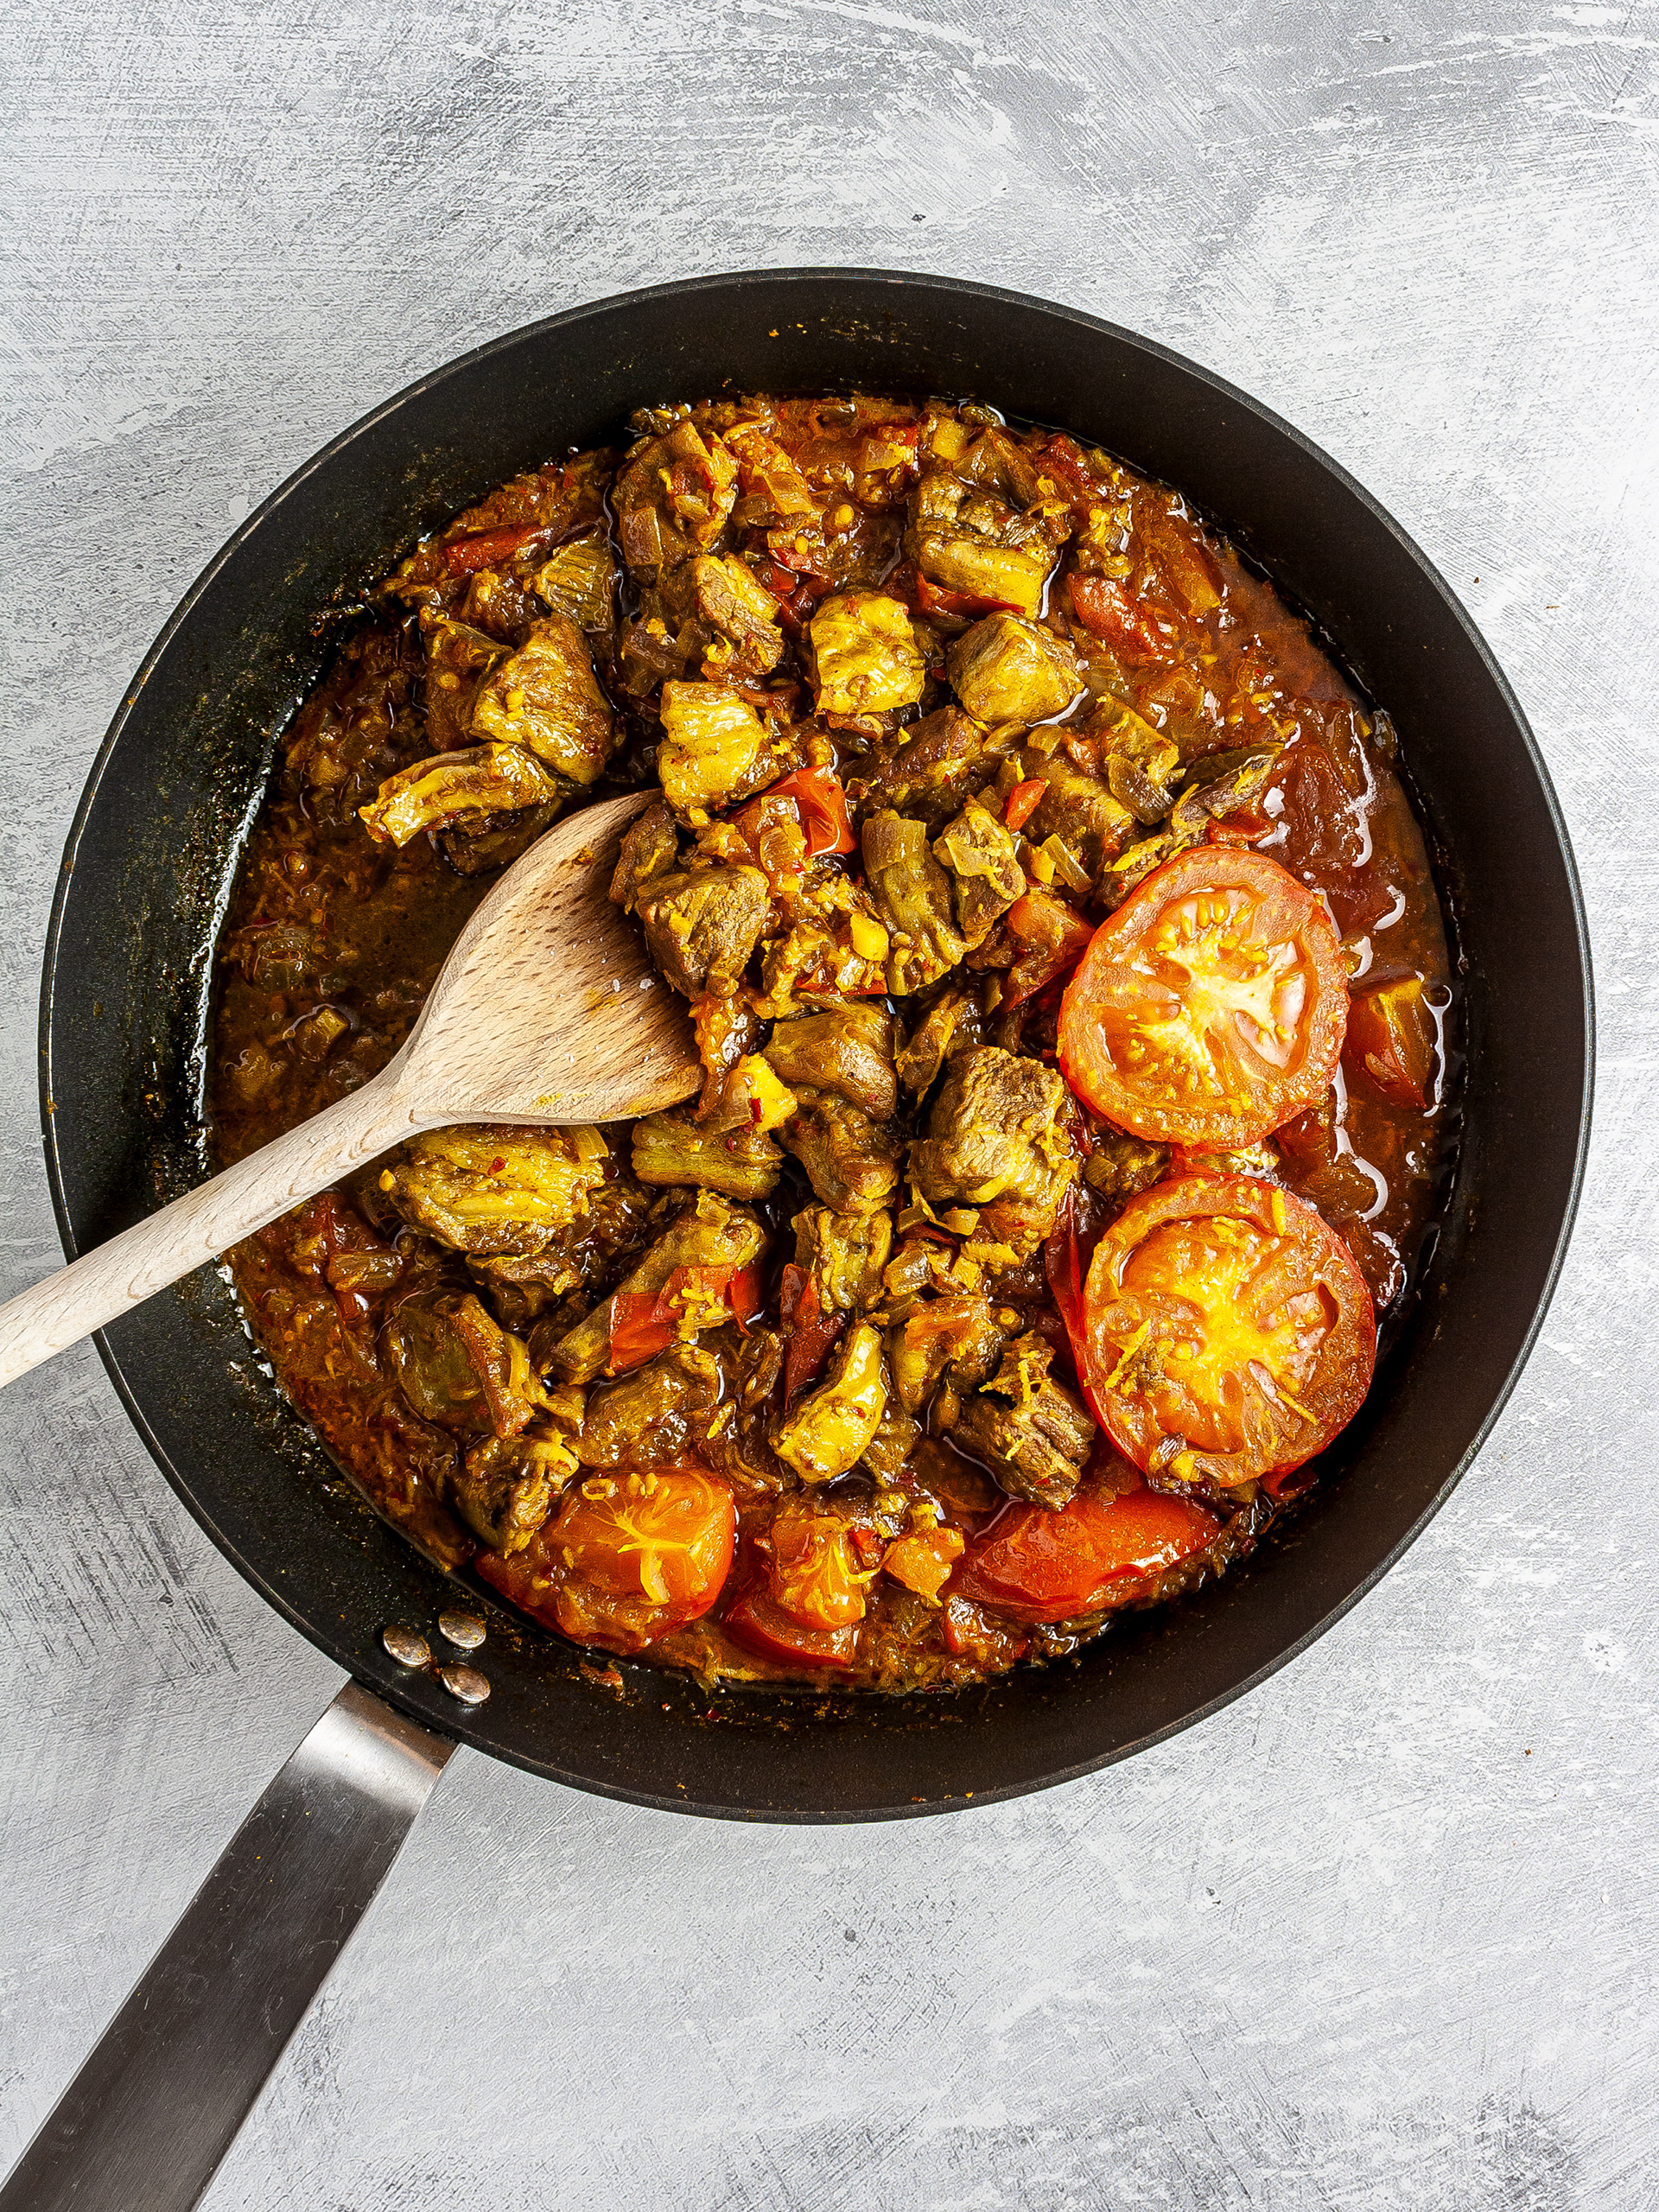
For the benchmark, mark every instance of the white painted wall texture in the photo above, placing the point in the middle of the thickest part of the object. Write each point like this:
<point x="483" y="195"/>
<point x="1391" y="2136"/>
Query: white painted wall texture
<point x="1380" y="1936"/>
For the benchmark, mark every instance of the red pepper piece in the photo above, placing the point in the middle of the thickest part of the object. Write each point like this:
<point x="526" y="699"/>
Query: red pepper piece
<point x="463" y="557"/>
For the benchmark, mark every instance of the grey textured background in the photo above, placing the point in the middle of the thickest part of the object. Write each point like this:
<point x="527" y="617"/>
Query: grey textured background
<point x="1383" y="1934"/>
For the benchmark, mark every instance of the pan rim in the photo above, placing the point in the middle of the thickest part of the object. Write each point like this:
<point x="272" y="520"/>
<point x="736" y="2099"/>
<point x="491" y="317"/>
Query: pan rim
<point x="681" y="290"/>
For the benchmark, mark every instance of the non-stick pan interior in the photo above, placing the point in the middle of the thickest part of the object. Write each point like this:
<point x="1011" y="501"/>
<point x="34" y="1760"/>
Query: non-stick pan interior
<point x="188" y="757"/>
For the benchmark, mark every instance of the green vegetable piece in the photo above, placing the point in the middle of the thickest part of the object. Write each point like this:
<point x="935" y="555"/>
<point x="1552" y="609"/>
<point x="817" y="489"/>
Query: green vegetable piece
<point x="913" y="892"/>
<point x="672" y="1149"/>
<point x="831" y="1428"/>
<point x="452" y="787"/>
<point x="548" y="700"/>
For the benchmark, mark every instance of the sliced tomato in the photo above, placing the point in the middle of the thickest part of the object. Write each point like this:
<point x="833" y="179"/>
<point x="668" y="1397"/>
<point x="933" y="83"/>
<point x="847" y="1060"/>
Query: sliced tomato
<point x="627" y="1558"/>
<point x="816" y="1577"/>
<point x="1211" y="1006"/>
<point x="1229" y="1331"/>
<point x="756" y="1620"/>
<point x="1065" y="1263"/>
<point x="821" y="806"/>
<point x="1121" y="620"/>
<point x="1052" y="936"/>
<point x="1035" y="1565"/>
<point x="641" y="1324"/>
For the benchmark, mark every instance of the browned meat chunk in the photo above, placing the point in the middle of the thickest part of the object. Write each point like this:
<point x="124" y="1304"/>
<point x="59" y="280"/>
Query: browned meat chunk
<point x="650" y="848"/>
<point x="994" y="1132"/>
<point x="579" y="580"/>
<point x="546" y="698"/>
<point x="1005" y="670"/>
<point x="851" y="1161"/>
<point x="867" y="659"/>
<point x="845" y="1254"/>
<point x="487" y="1188"/>
<point x="703" y="924"/>
<point x="946" y="758"/>
<point x="968" y="541"/>
<point x="978" y="851"/>
<point x="672" y="497"/>
<point x="1079" y="811"/>
<point x="953" y="1337"/>
<point x="710" y="1233"/>
<point x="1037" y="1445"/>
<point x="715" y="750"/>
<point x="953" y="1024"/>
<point x="653" y="1413"/>
<point x="848" y="1051"/>
<point x="731" y="600"/>
<point x="458" y="659"/>
<point x="506" y="1486"/>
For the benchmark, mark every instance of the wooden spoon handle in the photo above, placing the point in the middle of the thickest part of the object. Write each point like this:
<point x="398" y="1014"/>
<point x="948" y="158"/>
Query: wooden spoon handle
<point x="156" y="1251"/>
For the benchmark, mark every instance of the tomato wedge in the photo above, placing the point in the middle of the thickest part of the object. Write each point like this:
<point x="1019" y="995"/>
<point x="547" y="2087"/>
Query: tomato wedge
<point x="821" y="806"/>
<point x="1035" y="1565"/>
<point x="810" y="1334"/>
<point x="757" y="1621"/>
<point x="626" y="1560"/>
<point x="1229" y="1334"/>
<point x="643" y="1325"/>
<point x="1211" y="1006"/>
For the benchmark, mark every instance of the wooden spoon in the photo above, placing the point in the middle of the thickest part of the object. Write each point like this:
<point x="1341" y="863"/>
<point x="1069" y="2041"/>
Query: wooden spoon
<point x="547" y="1010"/>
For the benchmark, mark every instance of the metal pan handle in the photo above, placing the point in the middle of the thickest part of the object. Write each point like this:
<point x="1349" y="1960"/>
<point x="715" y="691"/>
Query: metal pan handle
<point x="146" y="2121"/>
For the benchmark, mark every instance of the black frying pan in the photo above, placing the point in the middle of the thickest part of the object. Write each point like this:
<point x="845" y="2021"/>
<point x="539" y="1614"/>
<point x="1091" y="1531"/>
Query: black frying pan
<point x="148" y="860"/>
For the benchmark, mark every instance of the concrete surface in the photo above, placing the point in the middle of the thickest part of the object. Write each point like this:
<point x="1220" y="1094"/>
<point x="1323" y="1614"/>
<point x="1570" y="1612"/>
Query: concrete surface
<point x="1383" y="1934"/>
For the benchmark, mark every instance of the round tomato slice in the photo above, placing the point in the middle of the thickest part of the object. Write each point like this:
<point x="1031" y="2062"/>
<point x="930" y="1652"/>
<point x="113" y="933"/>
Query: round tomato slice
<point x="1211" y="1006"/>
<point x="792" y="1638"/>
<point x="1227" y="1330"/>
<point x="1035" y="1565"/>
<point x="628" y="1558"/>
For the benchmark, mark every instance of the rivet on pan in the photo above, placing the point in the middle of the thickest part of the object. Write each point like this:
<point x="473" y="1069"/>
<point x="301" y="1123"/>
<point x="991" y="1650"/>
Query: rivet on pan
<point x="464" y="1630"/>
<point x="466" y="1683"/>
<point x="407" y="1646"/>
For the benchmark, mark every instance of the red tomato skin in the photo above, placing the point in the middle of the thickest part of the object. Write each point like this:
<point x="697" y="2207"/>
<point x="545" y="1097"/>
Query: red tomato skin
<point x="1347" y="1358"/>
<point x="811" y="1335"/>
<point x="1118" y="619"/>
<point x="755" y="1620"/>
<point x="822" y="804"/>
<point x="463" y="557"/>
<point x="1205" y="868"/>
<point x="584" y="1612"/>
<point x="1033" y="1565"/>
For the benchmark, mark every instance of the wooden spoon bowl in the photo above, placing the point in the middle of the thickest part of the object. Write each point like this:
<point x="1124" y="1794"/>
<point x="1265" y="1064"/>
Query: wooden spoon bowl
<point x="547" y="1010"/>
